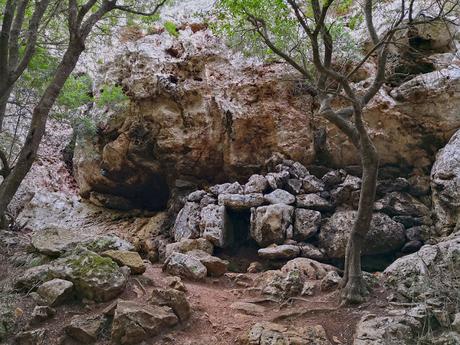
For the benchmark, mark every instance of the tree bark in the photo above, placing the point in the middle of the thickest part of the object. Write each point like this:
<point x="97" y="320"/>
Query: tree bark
<point x="28" y="153"/>
<point x="353" y="286"/>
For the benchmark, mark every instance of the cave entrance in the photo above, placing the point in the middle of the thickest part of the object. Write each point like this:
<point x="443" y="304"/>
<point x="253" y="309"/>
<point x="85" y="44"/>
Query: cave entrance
<point x="242" y="249"/>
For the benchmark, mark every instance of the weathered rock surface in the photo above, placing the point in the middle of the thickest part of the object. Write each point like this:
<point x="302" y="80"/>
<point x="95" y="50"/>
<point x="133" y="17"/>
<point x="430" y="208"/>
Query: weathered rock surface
<point x="266" y="333"/>
<point x="187" y="223"/>
<point x="127" y="258"/>
<point x="422" y="274"/>
<point x="306" y="224"/>
<point x="204" y="122"/>
<point x="174" y="299"/>
<point x="310" y="269"/>
<point x="241" y="201"/>
<point x="35" y="337"/>
<point x="445" y="184"/>
<point x="313" y="202"/>
<point x="93" y="276"/>
<point x="284" y="251"/>
<point x="56" y="291"/>
<point x="55" y="241"/>
<point x="269" y="224"/>
<point x="212" y="225"/>
<point x="385" y="234"/>
<point x="215" y="266"/>
<point x="280" y="196"/>
<point x="134" y="323"/>
<point x="85" y="329"/>
<point x="187" y="245"/>
<point x="184" y="265"/>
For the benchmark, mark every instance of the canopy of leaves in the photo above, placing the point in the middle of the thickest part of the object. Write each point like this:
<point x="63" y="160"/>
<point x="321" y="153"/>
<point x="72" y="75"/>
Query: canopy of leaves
<point x="236" y="23"/>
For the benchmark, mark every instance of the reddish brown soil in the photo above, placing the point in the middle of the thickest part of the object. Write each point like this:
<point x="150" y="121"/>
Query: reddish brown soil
<point x="213" y="322"/>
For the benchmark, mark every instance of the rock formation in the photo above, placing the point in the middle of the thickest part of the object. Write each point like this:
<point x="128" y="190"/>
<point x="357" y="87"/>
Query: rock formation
<point x="200" y="113"/>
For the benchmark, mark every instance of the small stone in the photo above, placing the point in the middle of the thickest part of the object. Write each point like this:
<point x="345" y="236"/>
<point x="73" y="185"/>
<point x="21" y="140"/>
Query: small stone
<point x="284" y="251"/>
<point x="42" y="313"/>
<point x="176" y="283"/>
<point x="185" y="266"/>
<point x="308" y="250"/>
<point x="174" y="299"/>
<point x="56" y="291"/>
<point x="134" y="322"/>
<point x="312" y="184"/>
<point x="255" y="267"/>
<point x="330" y="281"/>
<point x="280" y="196"/>
<point x="277" y="180"/>
<point x="196" y="196"/>
<point x="248" y="308"/>
<point x="333" y="178"/>
<point x="240" y="201"/>
<point x="294" y="186"/>
<point x="256" y="184"/>
<point x="226" y="188"/>
<point x="187" y="245"/>
<point x="306" y="223"/>
<point x="215" y="266"/>
<point x="456" y="323"/>
<point x="313" y="202"/>
<point x="35" y="337"/>
<point x="126" y="258"/>
<point x="85" y="329"/>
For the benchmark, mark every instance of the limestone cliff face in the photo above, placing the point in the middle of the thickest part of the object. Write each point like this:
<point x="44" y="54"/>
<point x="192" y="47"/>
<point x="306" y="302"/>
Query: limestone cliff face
<point x="201" y="113"/>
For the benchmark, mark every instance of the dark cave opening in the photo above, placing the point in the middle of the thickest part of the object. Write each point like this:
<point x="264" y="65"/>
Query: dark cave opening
<point x="242" y="249"/>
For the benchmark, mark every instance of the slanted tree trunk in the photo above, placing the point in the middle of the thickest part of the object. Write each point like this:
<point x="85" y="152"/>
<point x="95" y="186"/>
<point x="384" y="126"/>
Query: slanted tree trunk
<point x="28" y="152"/>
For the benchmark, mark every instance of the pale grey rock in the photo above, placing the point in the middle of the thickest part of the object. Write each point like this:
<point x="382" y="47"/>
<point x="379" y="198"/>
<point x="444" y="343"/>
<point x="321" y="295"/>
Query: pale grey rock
<point x="256" y="184"/>
<point x="412" y="275"/>
<point x="42" y="313"/>
<point x="241" y="201"/>
<point x="187" y="225"/>
<point x="294" y="186"/>
<point x="266" y="333"/>
<point x="196" y="196"/>
<point x="270" y="223"/>
<point x="134" y="323"/>
<point x="212" y="225"/>
<point x="215" y="266"/>
<point x="277" y="180"/>
<point x="248" y="308"/>
<point x="56" y="291"/>
<point x="308" y="268"/>
<point x="343" y="193"/>
<point x="185" y="266"/>
<point x="312" y="184"/>
<point x="385" y="234"/>
<point x="385" y="330"/>
<point x="227" y="188"/>
<point x="306" y="223"/>
<point x="333" y="178"/>
<point x="308" y="250"/>
<point x="284" y="251"/>
<point x="445" y="185"/>
<point x="330" y="281"/>
<point x="280" y="196"/>
<point x="313" y="202"/>
<point x="187" y="245"/>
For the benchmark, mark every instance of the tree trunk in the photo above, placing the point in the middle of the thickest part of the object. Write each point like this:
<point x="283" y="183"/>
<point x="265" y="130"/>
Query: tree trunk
<point x="37" y="127"/>
<point x="353" y="286"/>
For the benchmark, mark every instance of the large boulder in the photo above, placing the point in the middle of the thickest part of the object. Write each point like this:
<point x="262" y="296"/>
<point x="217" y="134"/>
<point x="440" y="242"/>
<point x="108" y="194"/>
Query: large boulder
<point x="445" y="184"/>
<point x="241" y="201"/>
<point x="430" y="272"/>
<point x="93" y="276"/>
<point x="269" y="224"/>
<point x="306" y="224"/>
<point x="385" y="235"/>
